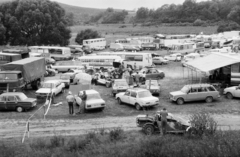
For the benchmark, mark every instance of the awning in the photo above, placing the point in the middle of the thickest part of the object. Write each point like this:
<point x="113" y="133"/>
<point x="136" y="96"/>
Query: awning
<point x="212" y="62"/>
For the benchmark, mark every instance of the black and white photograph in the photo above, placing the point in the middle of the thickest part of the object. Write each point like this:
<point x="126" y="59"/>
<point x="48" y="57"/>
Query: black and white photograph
<point x="119" y="78"/>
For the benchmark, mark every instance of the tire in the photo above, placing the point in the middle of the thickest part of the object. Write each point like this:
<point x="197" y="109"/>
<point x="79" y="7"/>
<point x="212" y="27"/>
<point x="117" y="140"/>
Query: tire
<point x="119" y="101"/>
<point x="229" y="95"/>
<point x="19" y="109"/>
<point x="138" y="107"/>
<point x="180" y="101"/>
<point x="209" y="99"/>
<point x="148" y="129"/>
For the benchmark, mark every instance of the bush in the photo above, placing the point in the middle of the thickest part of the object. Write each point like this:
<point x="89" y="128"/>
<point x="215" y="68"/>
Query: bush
<point x="116" y="134"/>
<point x="86" y="34"/>
<point x="199" y="22"/>
<point x="57" y="141"/>
<point x="203" y="123"/>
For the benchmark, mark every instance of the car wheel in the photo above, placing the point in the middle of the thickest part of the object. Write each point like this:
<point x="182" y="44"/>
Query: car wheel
<point x="119" y="101"/>
<point x="229" y="95"/>
<point x="138" y="107"/>
<point x="148" y="129"/>
<point x="180" y="101"/>
<point x="19" y="109"/>
<point x="209" y="99"/>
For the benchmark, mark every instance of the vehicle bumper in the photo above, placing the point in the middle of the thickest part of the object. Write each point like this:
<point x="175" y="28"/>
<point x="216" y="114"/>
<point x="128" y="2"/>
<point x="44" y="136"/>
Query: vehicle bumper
<point x="93" y="107"/>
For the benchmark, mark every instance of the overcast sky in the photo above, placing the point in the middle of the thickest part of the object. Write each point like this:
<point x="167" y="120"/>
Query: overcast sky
<point x="121" y="4"/>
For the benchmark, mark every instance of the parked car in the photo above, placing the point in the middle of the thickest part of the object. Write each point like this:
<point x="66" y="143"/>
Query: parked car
<point x="68" y="78"/>
<point x="232" y="92"/>
<point x="131" y="48"/>
<point x="175" y="125"/>
<point x="174" y="57"/>
<point x="104" y="79"/>
<point x="94" y="100"/>
<point x="98" y="48"/>
<point x="195" y="92"/>
<point x="16" y="101"/>
<point x="137" y="97"/>
<point x="50" y="61"/>
<point x="154" y="87"/>
<point x="150" y="73"/>
<point x="160" y="60"/>
<point x="51" y="86"/>
<point x="119" y="85"/>
<point x="65" y="68"/>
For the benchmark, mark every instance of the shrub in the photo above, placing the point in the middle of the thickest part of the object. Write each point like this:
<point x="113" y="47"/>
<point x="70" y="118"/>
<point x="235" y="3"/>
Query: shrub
<point x="75" y="144"/>
<point x="86" y="34"/>
<point x="116" y="134"/>
<point x="199" y="22"/>
<point x="203" y="123"/>
<point x="57" y="141"/>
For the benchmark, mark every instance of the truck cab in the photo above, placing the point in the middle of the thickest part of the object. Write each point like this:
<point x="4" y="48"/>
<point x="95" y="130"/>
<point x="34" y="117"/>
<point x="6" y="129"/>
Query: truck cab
<point x="11" y="81"/>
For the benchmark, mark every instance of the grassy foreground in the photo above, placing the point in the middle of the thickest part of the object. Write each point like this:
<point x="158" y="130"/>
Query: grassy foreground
<point x="116" y="142"/>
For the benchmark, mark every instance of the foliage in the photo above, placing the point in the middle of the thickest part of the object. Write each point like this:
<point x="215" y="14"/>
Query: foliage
<point x="33" y="22"/>
<point x="86" y="34"/>
<point x="228" y="26"/>
<point x="190" y="11"/>
<point x="198" y="22"/>
<point x="203" y="123"/>
<point x="116" y="134"/>
<point x="69" y="18"/>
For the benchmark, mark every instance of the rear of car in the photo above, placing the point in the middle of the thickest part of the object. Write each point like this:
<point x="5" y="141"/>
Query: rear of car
<point x="119" y="85"/>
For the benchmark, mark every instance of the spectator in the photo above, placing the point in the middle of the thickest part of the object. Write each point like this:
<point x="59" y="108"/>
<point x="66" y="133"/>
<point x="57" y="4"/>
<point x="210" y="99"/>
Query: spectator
<point x="137" y="77"/>
<point x="70" y="100"/>
<point x="84" y="99"/>
<point x="163" y="114"/>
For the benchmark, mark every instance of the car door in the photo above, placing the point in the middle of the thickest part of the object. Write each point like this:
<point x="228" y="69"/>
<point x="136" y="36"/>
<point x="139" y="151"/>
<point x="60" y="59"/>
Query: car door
<point x="3" y="103"/>
<point x="125" y="97"/>
<point x="193" y="94"/>
<point x="11" y="102"/>
<point x="203" y="93"/>
<point x="133" y="98"/>
<point x="237" y="92"/>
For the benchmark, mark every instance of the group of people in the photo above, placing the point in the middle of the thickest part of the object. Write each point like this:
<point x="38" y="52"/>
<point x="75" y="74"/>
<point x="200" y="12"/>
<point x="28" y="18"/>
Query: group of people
<point x="71" y="100"/>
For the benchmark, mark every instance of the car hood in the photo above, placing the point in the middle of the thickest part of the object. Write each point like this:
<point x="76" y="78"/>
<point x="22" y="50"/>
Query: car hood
<point x="44" y="90"/>
<point x="120" y="94"/>
<point x="121" y="87"/>
<point x="95" y="101"/>
<point x="231" y="88"/>
<point x="177" y="93"/>
<point x="153" y="87"/>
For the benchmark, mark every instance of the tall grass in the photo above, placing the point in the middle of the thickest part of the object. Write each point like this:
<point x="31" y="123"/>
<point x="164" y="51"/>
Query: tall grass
<point x="129" y="144"/>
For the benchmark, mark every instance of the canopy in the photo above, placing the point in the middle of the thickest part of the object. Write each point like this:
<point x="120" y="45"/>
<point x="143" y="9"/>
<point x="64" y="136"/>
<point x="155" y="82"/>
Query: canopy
<point x="213" y="61"/>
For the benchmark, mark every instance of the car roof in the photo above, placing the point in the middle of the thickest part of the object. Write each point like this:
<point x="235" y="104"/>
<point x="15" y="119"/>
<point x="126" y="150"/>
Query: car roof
<point x="52" y="81"/>
<point x="198" y="85"/>
<point x="11" y="93"/>
<point x="90" y="91"/>
<point x="138" y="89"/>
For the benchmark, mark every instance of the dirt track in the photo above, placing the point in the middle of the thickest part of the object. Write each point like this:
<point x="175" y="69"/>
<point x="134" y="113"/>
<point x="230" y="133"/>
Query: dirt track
<point x="40" y="128"/>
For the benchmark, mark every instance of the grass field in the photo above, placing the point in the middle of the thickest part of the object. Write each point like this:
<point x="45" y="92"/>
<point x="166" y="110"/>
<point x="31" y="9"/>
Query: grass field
<point x="112" y="31"/>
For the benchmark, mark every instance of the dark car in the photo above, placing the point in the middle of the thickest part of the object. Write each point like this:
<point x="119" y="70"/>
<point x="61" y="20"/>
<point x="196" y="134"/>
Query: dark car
<point x="16" y="101"/>
<point x="175" y="125"/>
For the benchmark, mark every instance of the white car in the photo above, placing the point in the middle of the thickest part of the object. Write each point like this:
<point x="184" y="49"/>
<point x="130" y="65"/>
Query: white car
<point x="173" y="57"/>
<point x="154" y="88"/>
<point x="50" y="86"/>
<point x="231" y="92"/>
<point x="160" y="60"/>
<point x="137" y="97"/>
<point x="94" y="100"/>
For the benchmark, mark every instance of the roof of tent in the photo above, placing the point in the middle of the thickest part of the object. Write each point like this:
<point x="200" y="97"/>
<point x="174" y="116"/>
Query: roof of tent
<point x="213" y="61"/>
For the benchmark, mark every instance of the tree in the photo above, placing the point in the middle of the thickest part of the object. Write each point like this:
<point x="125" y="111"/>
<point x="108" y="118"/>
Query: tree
<point x="228" y="26"/>
<point x="234" y="15"/>
<point x="34" y="22"/>
<point x="86" y="34"/>
<point x="199" y="22"/>
<point x="142" y="13"/>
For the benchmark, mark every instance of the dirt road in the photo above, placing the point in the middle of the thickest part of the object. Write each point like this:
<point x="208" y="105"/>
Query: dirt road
<point x="40" y="128"/>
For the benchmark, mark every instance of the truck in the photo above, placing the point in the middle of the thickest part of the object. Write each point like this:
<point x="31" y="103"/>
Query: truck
<point x="17" y="75"/>
<point x="9" y="57"/>
<point x="149" y="46"/>
<point x="24" y="53"/>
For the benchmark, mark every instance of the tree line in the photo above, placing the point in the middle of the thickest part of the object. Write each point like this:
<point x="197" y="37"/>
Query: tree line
<point x="221" y="12"/>
<point x="34" y="22"/>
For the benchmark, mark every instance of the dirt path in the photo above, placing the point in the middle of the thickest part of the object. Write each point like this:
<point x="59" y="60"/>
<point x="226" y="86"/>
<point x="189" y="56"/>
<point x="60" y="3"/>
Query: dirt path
<point x="40" y="128"/>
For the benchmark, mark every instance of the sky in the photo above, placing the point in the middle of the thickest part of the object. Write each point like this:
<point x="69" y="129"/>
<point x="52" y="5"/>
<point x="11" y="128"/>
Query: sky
<point x="121" y="4"/>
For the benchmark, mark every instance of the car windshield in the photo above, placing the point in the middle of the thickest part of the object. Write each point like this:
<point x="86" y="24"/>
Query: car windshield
<point x="121" y="83"/>
<point x="65" y="77"/>
<point x="22" y="96"/>
<point x="144" y="94"/>
<point x="93" y="96"/>
<point x="185" y="89"/>
<point x="48" y="85"/>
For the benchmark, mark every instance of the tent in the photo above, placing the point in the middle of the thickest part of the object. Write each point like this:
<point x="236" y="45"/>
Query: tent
<point x="213" y="61"/>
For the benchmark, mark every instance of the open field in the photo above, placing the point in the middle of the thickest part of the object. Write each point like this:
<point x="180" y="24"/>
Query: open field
<point x="112" y="31"/>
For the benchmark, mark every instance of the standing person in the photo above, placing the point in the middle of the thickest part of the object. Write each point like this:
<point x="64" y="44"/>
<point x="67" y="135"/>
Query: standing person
<point x="137" y="77"/>
<point x="163" y="114"/>
<point x="135" y="67"/>
<point x="70" y="100"/>
<point x="130" y="70"/>
<point x="84" y="99"/>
